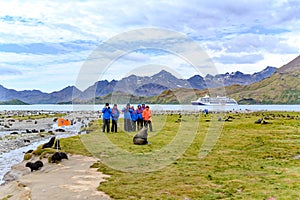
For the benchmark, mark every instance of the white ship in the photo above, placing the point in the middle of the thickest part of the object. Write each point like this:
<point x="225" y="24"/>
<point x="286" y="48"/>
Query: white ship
<point x="206" y="100"/>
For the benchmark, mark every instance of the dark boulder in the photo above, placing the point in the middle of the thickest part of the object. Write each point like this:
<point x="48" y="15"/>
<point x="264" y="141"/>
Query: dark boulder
<point x="29" y="151"/>
<point x="28" y="131"/>
<point x="258" y="121"/>
<point x="60" y="130"/>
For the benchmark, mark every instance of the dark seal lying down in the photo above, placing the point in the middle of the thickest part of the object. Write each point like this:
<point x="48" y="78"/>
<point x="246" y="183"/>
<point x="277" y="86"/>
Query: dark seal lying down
<point x="35" y="166"/>
<point x="58" y="156"/>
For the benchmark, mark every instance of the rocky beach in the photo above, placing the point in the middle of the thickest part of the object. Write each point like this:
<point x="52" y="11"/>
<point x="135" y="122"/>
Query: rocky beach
<point x="73" y="178"/>
<point x="21" y="131"/>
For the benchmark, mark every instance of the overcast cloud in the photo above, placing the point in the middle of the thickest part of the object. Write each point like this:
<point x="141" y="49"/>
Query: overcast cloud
<point x="44" y="46"/>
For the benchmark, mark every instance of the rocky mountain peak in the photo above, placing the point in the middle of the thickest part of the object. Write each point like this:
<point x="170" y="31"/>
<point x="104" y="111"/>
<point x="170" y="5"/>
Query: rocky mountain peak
<point x="163" y="74"/>
<point x="291" y="67"/>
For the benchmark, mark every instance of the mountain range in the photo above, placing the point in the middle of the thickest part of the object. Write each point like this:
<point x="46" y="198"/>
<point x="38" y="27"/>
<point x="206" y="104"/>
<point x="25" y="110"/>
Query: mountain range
<point x="135" y="86"/>
<point x="283" y="87"/>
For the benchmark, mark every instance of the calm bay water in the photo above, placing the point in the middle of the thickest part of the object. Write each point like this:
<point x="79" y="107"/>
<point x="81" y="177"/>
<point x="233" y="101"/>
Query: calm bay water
<point x="154" y="107"/>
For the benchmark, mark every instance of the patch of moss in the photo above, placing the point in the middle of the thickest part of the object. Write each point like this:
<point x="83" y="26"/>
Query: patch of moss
<point x="74" y="145"/>
<point x="7" y="197"/>
<point x="47" y="152"/>
<point x="27" y="156"/>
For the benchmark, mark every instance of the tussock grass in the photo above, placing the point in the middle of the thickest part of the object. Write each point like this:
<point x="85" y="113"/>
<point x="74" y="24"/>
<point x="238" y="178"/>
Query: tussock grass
<point x="249" y="161"/>
<point x="73" y="145"/>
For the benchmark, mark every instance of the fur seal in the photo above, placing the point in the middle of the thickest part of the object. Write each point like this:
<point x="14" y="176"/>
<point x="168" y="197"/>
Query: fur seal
<point x="141" y="137"/>
<point x="35" y="166"/>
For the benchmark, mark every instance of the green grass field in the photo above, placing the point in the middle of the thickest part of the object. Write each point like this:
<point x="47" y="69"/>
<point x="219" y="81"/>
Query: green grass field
<point x="248" y="161"/>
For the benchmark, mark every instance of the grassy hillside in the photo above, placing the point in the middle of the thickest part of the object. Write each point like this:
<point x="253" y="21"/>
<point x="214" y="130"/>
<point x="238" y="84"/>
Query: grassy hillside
<point x="281" y="88"/>
<point x="175" y="96"/>
<point x="178" y="96"/>
<point x="13" y="102"/>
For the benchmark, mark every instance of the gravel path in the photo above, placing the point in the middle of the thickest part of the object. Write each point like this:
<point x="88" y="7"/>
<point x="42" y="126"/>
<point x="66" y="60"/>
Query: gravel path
<point x="70" y="179"/>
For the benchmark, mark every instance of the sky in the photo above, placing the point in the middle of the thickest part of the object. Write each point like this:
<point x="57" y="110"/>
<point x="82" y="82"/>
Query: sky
<point x="48" y="45"/>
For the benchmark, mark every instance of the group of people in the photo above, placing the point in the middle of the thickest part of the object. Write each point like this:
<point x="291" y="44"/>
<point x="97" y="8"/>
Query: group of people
<point x="134" y="119"/>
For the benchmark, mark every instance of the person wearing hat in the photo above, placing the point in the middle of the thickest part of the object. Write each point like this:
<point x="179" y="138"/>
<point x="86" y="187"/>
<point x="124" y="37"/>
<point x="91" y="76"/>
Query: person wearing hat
<point x="143" y="108"/>
<point x="106" y="118"/>
<point x="127" y="117"/>
<point x="147" y="117"/>
<point x="115" y="113"/>
<point x="140" y="120"/>
<point x="133" y="119"/>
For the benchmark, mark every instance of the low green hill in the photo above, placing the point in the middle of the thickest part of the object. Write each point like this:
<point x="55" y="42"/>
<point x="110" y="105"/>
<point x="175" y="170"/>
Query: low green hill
<point x="13" y="102"/>
<point x="278" y="89"/>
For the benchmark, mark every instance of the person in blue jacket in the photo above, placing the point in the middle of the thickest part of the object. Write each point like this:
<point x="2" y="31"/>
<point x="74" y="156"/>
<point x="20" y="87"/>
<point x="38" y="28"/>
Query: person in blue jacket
<point x="127" y="117"/>
<point x="133" y="119"/>
<point x="140" y="120"/>
<point x="106" y="111"/>
<point x="115" y="113"/>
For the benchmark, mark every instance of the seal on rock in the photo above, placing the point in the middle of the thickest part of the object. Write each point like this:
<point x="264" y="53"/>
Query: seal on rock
<point x="35" y="166"/>
<point x="58" y="156"/>
<point x="49" y="144"/>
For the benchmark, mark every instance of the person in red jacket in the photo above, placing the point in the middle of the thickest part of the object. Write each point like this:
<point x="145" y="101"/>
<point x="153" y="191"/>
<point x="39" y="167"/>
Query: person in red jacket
<point x="147" y="117"/>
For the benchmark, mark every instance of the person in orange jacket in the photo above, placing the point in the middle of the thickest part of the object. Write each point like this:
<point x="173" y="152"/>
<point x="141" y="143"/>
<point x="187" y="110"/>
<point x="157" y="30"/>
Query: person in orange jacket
<point x="147" y="117"/>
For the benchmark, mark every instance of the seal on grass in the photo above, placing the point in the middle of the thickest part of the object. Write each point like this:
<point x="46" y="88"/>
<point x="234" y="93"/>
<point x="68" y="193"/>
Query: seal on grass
<point x="141" y="137"/>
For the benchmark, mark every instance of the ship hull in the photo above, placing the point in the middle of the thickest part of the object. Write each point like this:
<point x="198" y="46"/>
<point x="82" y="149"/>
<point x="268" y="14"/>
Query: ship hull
<point x="198" y="103"/>
<point x="210" y="104"/>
